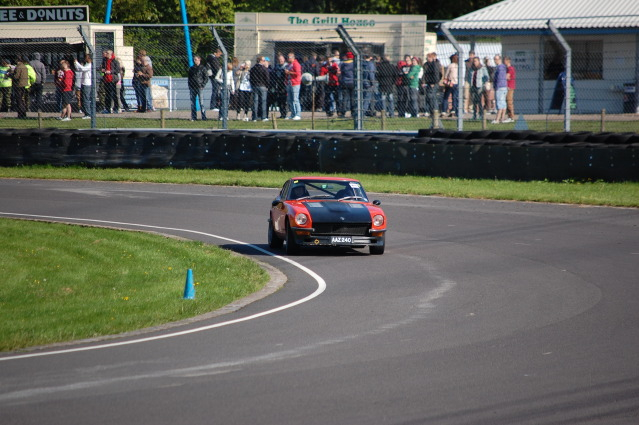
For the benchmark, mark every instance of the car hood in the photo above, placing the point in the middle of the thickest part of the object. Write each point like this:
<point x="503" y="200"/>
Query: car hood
<point x="338" y="212"/>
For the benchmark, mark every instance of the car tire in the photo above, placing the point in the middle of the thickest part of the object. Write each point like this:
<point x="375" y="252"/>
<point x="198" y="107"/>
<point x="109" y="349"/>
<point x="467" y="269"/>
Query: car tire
<point x="292" y="247"/>
<point x="274" y="241"/>
<point x="376" y="249"/>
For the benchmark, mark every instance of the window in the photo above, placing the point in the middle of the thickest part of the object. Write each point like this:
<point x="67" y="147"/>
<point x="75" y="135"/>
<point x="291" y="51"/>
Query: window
<point x="587" y="59"/>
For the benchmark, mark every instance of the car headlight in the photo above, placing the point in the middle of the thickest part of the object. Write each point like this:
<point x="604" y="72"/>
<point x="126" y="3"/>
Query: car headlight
<point x="378" y="220"/>
<point x="301" y="219"/>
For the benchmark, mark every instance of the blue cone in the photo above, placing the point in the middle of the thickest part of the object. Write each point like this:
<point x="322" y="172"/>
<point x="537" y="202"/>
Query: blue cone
<point x="521" y="123"/>
<point x="189" y="288"/>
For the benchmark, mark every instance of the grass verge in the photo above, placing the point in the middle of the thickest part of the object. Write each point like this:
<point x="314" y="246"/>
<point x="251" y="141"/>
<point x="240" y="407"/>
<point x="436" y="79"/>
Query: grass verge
<point x="623" y="194"/>
<point x="67" y="282"/>
<point x="615" y="123"/>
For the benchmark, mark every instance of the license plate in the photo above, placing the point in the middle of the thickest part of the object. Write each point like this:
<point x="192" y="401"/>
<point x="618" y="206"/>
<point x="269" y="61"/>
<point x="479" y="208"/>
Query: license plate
<point x="341" y="240"/>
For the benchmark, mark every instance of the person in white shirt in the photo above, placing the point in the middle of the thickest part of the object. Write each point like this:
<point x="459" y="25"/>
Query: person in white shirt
<point x="230" y="86"/>
<point x="86" y="86"/>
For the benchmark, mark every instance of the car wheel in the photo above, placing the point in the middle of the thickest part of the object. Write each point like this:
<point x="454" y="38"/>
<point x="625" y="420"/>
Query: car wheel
<point x="376" y="249"/>
<point x="292" y="247"/>
<point x="273" y="240"/>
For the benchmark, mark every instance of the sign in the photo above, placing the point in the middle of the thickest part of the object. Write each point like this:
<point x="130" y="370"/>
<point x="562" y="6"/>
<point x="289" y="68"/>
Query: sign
<point x="45" y="14"/>
<point x="296" y="20"/>
<point x="331" y="20"/>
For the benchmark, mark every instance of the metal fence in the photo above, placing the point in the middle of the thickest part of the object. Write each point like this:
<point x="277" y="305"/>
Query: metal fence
<point x="330" y="78"/>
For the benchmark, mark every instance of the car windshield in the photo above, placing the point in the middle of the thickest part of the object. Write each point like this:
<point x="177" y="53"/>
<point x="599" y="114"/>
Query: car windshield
<point x="336" y="190"/>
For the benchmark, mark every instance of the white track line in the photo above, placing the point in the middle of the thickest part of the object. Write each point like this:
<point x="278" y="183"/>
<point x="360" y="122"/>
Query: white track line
<point x="321" y="287"/>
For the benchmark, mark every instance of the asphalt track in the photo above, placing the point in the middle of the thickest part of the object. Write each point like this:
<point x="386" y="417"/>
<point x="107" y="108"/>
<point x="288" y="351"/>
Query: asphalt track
<point x="479" y="312"/>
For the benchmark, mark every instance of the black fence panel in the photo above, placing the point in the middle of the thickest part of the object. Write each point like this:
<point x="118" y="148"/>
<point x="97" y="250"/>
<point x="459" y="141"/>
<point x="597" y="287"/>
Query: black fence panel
<point x="513" y="155"/>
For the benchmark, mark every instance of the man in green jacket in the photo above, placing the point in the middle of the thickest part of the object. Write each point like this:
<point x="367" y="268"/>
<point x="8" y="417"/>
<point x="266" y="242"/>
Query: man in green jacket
<point x="5" y="85"/>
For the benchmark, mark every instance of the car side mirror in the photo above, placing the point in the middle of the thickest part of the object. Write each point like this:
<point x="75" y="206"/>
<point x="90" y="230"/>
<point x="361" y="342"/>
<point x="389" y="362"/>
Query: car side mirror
<point x="376" y="202"/>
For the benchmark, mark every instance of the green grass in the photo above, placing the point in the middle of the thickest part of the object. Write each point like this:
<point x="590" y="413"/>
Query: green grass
<point x="623" y="194"/>
<point x="66" y="282"/>
<point x="541" y="123"/>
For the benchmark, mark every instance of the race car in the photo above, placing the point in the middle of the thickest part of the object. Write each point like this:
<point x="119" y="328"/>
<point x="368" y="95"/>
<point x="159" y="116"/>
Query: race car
<point x="325" y="212"/>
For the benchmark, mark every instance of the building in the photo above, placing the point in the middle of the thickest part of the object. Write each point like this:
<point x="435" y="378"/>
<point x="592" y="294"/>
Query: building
<point x="54" y="32"/>
<point x="305" y="33"/>
<point x="603" y="36"/>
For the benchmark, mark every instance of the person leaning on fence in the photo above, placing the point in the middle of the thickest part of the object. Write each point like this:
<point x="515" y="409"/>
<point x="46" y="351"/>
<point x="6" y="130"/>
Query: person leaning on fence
<point x="84" y="75"/>
<point x="230" y="87"/>
<point x="197" y="81"/>
<point x="136" y="81"/>
<point x="479" y="77"/>
<point x="259" y="78"/>
<point x="386" y="75"/>
<point x="510" y="96"/>
<point x="369" y="82"/>
<point x="245" y="90"/>
<point x="403" y="87"/>
<point x="414" y="78"/>
<point x="20" y="84"/>
<point x="67" y="90"/>
<point x="278" y="85"/>
<point x="331" y="90"/>
<point x="489" y="87"/>
<point x="38" y="86"/>
<point x="147" y="84"/>
<point x="121" y="89"/>
<point x="432" y="77"/>
<point x="214" y="64"/>
<point x="467" y="80"/>
<point x="451" y="84"/>
<point x="148" y="87"/>
<point x="501" y="89"/>
<point x="5" y="85"/>
<point x="293" y="83"/>
<point x="347" y="96"/>
<point x="32" y="78"/>
<point x="111" y="76"/>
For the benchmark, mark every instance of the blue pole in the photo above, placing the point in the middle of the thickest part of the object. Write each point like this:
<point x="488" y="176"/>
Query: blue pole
<point x="187" y="40"/>
<point x="187" y="34"/>
<point x="107" y="17"/>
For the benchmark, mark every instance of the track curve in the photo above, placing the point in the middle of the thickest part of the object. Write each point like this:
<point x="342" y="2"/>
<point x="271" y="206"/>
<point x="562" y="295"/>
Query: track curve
<point x="479" y="312"/>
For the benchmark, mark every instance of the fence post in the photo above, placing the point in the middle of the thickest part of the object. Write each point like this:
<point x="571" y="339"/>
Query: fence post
<point x="224" y="110"/>
<point x="461" y="76"/>
<point x="603" y="120"/>
<point x="94" y="81"/>
<point x="567" y="91"/>
<point x="358" y="74"/>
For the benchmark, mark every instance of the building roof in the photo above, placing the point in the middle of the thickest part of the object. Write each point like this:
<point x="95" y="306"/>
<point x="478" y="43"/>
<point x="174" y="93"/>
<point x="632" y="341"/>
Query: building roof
<point x="566" y="14"/>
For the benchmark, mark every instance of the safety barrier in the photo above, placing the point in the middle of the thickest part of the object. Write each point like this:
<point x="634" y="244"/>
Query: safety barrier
<point x="514" y="155"/>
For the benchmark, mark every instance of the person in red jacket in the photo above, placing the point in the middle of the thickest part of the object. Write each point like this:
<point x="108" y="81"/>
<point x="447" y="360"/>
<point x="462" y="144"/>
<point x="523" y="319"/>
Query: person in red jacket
<point x="293" y="73"/>
<point x="65" y="82"/>
<point x="330" y="68"/>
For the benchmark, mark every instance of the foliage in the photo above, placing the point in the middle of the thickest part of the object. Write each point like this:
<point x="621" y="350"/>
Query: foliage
<point x="221" y="11"/>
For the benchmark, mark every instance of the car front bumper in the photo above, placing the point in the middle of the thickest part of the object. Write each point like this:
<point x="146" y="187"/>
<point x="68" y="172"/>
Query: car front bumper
<point x="306" y="237"/>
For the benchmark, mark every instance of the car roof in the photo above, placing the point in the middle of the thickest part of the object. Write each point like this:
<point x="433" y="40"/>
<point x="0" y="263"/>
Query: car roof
<point x="344" y="179"/>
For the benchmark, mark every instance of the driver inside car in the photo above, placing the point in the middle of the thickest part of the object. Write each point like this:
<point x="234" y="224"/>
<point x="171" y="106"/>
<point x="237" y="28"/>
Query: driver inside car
<point x="344" y="193"/>
<point x="299" y="192"/>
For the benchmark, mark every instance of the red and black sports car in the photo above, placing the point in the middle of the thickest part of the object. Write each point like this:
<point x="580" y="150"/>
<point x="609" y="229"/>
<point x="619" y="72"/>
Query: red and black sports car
<point x="325" y="211"/>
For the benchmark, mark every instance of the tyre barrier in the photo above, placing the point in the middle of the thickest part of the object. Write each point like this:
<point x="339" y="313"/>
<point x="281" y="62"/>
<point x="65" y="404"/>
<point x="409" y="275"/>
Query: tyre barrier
<point x="515" y="155"/>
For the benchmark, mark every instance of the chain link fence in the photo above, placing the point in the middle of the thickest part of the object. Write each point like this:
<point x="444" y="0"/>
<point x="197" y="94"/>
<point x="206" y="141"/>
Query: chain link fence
<point x="364" y="76"/>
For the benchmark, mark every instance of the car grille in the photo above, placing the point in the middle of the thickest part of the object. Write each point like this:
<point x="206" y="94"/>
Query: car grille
<point x="341" y="229"/>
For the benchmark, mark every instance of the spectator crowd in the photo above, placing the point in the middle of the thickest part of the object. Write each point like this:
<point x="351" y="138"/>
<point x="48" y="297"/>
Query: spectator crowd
<point x="408" y="88"/>
<point x="287" y="85"/>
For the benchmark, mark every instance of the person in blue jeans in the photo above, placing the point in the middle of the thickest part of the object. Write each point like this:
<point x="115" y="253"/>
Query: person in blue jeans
<point x="260" y="79"/>
<point x="197" y="80"/>
<point x="501" y="89"/>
